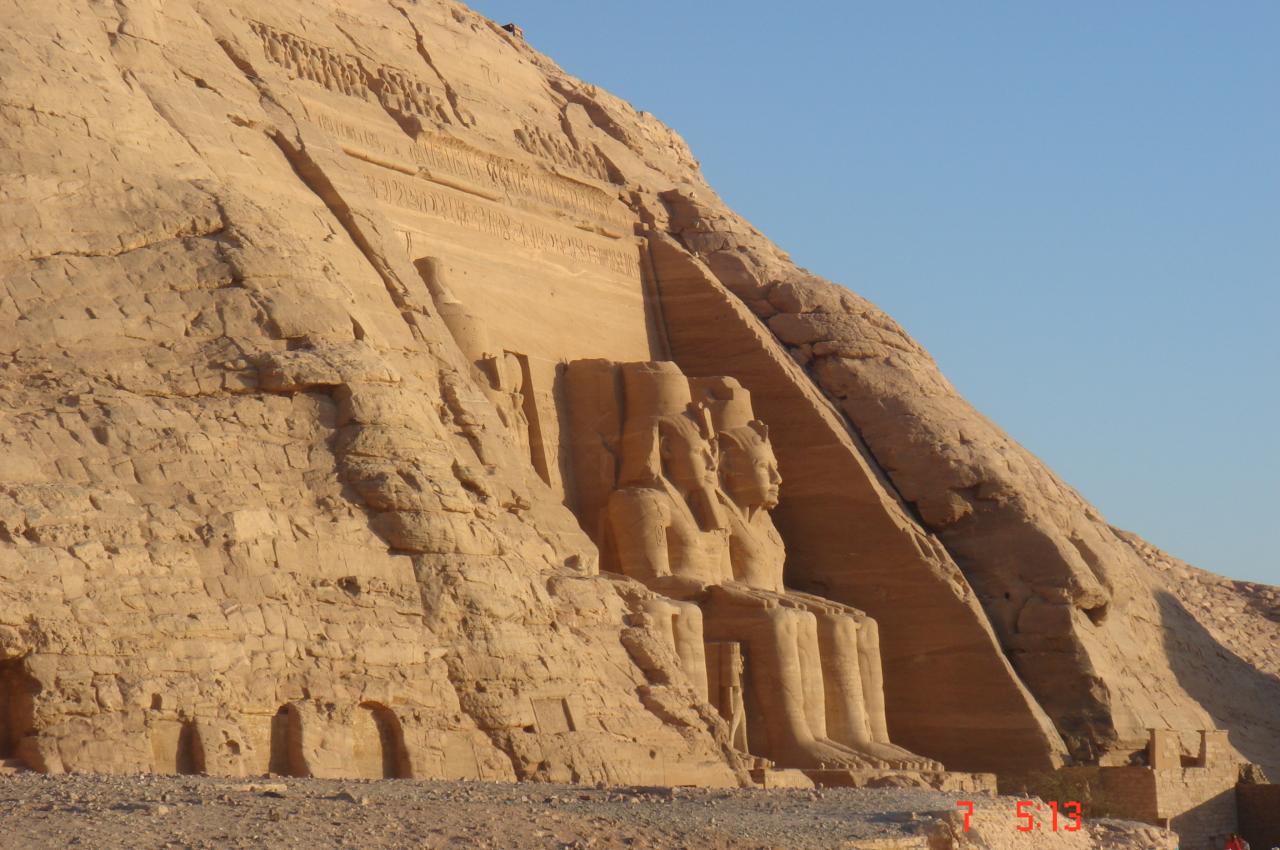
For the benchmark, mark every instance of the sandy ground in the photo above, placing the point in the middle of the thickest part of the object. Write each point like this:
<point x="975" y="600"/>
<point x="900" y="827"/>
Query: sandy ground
<point x="190" y="812"/>
<point x="38" y="812"/>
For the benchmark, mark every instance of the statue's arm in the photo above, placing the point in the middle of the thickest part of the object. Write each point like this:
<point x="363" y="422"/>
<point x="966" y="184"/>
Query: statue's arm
<point x="640" y="524"/>
<point x="828" y="605"/>
<point x="640" y="533"/>
<point x="735" y="593"/>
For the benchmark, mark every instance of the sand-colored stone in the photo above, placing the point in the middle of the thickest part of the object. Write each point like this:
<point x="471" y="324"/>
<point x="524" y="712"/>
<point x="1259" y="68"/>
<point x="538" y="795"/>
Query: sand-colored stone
<point x="1225" y="642"/>
<point x="852" y="540"/>
<point x="152" y="812"/>
<point x="290" y="477"/>
<point x="258" y="511"/>
<point x="688" y="516"/>
<point x="1087" y="625"/>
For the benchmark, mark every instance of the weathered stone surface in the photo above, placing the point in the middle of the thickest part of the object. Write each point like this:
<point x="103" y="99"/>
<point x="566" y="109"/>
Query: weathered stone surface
<point x="256" y="512"/>
<point x="289" y="470"/>
<point x="687" y="515"/>
<point x="1223" y="639"/>
<point x="1082" y="618"/>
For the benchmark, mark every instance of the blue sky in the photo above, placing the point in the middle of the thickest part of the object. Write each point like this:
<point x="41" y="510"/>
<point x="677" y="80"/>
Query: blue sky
<point x="1074" y="206"/>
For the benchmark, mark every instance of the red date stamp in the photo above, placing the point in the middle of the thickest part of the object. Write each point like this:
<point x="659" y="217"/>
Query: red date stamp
<point x="1033" y="815"/>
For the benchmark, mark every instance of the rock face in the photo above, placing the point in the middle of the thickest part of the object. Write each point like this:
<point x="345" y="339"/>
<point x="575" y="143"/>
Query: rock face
<point x="292" y="475"/>
<point x="1223" y="639"/>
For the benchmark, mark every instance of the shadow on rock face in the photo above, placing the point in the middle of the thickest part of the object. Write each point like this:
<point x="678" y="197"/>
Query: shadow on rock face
<point x="1238" y="696"/>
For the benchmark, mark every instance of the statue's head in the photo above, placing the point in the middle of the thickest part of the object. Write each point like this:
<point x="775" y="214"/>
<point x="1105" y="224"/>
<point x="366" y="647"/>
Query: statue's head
<point x="666" y="436"/>
<point x="686" y="451"/>
<point x="748" y="468"/>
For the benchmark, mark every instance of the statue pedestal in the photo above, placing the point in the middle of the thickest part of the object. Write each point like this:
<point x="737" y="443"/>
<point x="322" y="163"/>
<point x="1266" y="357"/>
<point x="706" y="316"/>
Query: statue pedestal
<point x="780" y="777"/>
<point x="941" y="780"/>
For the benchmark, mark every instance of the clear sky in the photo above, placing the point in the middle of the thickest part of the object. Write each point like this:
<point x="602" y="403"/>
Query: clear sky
<point x="1074" y="206"/>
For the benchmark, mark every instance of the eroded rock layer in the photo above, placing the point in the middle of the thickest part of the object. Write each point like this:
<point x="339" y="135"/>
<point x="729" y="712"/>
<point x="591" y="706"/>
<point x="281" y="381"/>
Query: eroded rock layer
<point x="289" y="477"/>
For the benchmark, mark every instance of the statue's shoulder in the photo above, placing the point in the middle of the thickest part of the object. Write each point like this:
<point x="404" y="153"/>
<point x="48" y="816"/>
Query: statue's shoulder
<point x="636" y="498"/>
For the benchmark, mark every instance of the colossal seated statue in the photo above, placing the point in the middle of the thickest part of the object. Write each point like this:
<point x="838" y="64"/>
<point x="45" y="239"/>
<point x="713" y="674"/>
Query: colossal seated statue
<point x="689" y="519"/>
<point x="852" y="681"/>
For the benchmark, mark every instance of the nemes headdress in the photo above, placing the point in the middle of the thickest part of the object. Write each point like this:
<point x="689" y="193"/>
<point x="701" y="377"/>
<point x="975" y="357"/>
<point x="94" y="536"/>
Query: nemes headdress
<point x="657" y="400"/>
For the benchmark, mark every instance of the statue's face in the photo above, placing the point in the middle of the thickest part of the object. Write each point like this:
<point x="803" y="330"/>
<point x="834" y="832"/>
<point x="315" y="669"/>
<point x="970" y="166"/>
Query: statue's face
<point x="749" y="470"/>
<point x="688" y="458"/>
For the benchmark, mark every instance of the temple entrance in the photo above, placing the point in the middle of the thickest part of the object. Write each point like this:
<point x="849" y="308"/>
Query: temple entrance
<point x="286" y="743"/>
<point x="377" y="744"/>
<point x="190" y="757"/>
<point x="17" y="707"/>
<point x="176" y="747"/>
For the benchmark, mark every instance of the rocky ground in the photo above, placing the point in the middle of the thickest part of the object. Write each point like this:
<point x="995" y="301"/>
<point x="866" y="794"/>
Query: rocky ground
<point x="170" y="812"/>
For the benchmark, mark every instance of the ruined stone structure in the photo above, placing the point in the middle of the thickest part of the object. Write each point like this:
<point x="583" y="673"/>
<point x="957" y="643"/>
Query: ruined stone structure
<point x="1191" y="792"/>
<point x="377" y="399"/>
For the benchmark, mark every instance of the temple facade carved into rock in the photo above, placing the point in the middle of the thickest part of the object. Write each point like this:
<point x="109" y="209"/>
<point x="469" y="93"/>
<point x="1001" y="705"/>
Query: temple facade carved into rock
<point x="378" y="400"/>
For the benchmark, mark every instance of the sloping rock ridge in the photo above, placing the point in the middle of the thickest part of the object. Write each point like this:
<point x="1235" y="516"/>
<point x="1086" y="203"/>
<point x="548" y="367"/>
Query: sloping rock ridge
<point x="378" y="400"/>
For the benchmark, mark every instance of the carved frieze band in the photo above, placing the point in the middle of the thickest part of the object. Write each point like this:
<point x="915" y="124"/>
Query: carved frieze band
<point x="401" y="92"/>
<point x="417" y="197"/>
<point x="456" y="164"/>
<point x="345" y="73"/>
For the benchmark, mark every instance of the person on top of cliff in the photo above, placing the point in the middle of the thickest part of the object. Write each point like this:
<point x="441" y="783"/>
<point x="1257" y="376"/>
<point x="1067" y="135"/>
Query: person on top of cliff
<point x="1235" y="842"/>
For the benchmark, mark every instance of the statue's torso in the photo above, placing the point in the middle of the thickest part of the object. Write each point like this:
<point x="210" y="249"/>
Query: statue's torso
<point x="692" y="552"/>
<point x="756" y="551"/>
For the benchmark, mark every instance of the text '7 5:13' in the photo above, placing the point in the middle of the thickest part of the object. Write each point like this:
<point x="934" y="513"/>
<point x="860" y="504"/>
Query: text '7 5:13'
<point x="1033" y="815"/>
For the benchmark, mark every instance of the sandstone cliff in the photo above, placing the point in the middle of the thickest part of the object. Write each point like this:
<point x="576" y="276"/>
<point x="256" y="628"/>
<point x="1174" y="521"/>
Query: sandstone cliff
<point x="1223" y="638"/>
<point x="287" y="292"/>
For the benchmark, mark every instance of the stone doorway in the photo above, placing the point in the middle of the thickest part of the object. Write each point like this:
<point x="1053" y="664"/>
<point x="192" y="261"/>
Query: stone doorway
<point x="176" y="747"/>
<point x="17" y="707"/>
<point x="190" y="755"/>
<point x="377" y="744"/>
<point x="286" y="743"/>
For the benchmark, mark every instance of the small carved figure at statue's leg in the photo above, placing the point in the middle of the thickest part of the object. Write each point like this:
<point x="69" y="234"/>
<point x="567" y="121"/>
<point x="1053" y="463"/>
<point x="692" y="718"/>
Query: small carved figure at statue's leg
<point x="776" y="676"/>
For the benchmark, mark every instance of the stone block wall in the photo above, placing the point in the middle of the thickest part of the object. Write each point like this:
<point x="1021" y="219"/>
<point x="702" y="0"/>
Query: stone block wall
<point x="1258" y="808"/>
<point x="1193" y="795"/>
<point x="1199" y="805"/>
<point x="1198" y="800"/>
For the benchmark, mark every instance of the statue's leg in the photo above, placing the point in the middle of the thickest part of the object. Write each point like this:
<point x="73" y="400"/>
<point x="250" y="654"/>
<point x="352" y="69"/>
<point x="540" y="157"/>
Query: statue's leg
<point x="872" y="675"/>
<point x="776" y="660"/>
<point x="855" y="691"/>
<point x="680" y="624"/>
<point x="663" y="616"/>
<point x="847" y="717"/>
<point x="868" y="643"/>
<point x="691" y="645"/>
<point x="811" y="672"/>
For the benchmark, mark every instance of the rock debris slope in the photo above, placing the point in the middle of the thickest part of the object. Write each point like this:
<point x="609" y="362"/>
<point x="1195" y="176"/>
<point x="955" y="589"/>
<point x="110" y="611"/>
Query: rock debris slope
<point x="287" y="476"/>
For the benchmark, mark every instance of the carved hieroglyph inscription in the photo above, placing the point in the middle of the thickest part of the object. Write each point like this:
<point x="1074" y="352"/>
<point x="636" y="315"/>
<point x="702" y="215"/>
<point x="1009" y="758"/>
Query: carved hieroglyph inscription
<point x="538" y="142"/>
<point x="403" y="93"/>
<point x="395" y="89"/>
<point x="454" y="163"/>
<point x="492" y="220"/>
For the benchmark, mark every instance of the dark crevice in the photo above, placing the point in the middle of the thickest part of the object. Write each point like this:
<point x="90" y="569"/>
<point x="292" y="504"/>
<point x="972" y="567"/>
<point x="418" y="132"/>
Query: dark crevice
<point x="464" y="117"/>
<point x="314" y="178"/>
